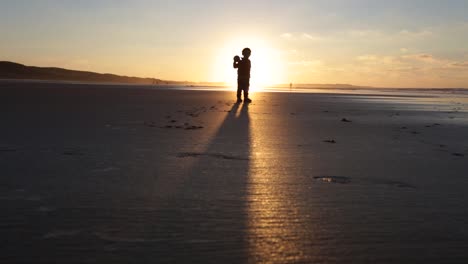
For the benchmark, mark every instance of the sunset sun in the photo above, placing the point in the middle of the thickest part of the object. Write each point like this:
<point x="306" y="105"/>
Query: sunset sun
<point x="267" y="67"/>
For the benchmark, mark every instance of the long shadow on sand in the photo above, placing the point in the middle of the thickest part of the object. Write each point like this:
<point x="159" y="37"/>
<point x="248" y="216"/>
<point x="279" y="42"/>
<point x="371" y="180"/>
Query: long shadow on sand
<point x="203" y="219"/>
<point x="210" y="208"/>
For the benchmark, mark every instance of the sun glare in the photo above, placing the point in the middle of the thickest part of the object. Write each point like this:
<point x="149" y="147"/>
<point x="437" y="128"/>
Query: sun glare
<point x="267" y="68"/>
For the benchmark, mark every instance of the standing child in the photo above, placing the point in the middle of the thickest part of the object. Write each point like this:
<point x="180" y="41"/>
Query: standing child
<point x="243" y="75"/>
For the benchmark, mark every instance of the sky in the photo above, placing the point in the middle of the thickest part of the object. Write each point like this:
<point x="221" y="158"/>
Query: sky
<point x="411" y="43"/>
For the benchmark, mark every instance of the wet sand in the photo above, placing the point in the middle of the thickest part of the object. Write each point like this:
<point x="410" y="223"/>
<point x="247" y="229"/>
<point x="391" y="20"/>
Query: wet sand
<point x="117" y="174"/>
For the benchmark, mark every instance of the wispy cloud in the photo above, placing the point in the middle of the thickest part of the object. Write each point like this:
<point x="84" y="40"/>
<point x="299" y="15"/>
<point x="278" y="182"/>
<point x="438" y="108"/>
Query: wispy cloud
<point x="358" y="34"/>
<point x="364" y="33"/>
<point x="420" y="64"/>
<point x="421" y="57"/>
<point x="460" y="64"/>
<point x="302" y="36"/>
<point x="313" y="37"/>
<point x="286" y="36"/>
<point x="416" y="34"/>
<point x="306" y="63"/>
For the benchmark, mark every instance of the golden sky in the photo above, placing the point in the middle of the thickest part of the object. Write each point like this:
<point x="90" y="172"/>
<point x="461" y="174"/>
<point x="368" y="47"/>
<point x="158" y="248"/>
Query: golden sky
<point x="362" y="42"/>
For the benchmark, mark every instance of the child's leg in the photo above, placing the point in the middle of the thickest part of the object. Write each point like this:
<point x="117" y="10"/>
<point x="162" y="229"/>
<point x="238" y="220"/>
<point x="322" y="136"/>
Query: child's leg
<point x="239" y="93"/>
<point x="246" y="89"/>
<point x="239" y="89"/>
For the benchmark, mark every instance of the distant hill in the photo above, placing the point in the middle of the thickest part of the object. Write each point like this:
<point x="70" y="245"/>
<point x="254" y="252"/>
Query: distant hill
<point x="11" y="70"/>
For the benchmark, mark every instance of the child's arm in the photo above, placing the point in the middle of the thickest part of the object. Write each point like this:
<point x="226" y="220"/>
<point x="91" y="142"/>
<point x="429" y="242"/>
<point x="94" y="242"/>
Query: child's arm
<point x="235" y="64"/>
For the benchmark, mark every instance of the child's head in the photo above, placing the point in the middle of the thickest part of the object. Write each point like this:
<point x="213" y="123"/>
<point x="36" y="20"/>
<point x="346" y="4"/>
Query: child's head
<point x="246" y="53"/>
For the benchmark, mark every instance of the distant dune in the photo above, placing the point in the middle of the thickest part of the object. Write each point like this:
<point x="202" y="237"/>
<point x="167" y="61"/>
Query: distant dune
<point x="12" y="70"/>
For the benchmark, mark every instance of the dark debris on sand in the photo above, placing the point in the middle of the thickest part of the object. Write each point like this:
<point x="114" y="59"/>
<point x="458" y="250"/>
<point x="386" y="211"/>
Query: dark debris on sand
<point x="346" y="180"/>
<point x="331" y="141"/>
<point x="333" y="179"/>
<point x="193" y="127"/>
<point x="434" y="125"/>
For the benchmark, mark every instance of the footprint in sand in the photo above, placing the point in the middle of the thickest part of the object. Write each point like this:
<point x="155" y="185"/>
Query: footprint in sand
<point x="73" y="152"/>
<point x="7" y="150"/>
<point x="434" y="125"/>
<point x="149" y="123"/>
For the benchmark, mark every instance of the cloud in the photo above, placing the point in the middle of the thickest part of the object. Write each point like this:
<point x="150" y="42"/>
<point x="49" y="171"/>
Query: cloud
<point x="410" y="67"/>
<point x="381" y="35"/>
<point x="415" y="34"/>
<point x="367" y="58"/>
<point x="375" y="59"/>
<point x="421" y="57"/>
<point x="302" y="36"/>
<point x="312" y="37"/>
<point x="460" y="64"/>
<point x="360" y="33"/>
<point x="306" y="63"/>
<point x="290" y="52"/>
<point x="404" y="61"/>
<point x="405" y="69"/>
<point x="286" y="35"/>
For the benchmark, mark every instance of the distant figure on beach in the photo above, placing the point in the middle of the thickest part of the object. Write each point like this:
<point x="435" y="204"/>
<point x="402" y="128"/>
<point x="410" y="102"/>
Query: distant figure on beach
<point x="243" y="75"/>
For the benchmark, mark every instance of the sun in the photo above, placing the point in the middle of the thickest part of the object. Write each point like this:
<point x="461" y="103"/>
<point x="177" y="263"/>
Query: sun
<point x="267" y="66"/>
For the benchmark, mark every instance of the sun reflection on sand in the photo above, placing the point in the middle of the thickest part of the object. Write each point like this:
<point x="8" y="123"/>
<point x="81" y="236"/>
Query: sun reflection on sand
<point x="274" y="221"/>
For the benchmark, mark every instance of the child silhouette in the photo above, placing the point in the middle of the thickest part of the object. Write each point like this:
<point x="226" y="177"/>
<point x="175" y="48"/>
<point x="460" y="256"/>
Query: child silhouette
<point x="243" y="75"/>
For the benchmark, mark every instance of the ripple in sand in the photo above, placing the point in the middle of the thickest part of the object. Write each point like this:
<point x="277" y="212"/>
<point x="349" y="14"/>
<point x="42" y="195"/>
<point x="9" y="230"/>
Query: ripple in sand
<point x="7" y="150"/>
<point x="113" y="238"/>
<point x="398" y="184"/>
<point x="434" y="125"/>
<point x="106" y="169"/>
<point x="45" y="209"/>
<point x="73" y="152"/>
<point x="212" y="155"/>
<point x="61" y="234"/>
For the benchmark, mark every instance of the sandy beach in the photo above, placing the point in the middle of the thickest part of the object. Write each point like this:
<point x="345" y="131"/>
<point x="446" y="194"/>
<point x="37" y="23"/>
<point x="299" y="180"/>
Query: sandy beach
<point x="132" y="174"/>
